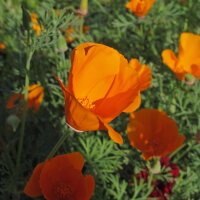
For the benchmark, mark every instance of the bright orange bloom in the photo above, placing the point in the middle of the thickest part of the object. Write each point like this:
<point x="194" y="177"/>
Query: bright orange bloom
<point x="140" y="7"/>
<point x="153" y="133"/>
<point x="60" y="178"/>
<point x="101" y="85"/>
<point x="144" y="78"/>
<point x="2" y="46"/>
<point x="35" y="98"/>
<point x="188" y="60"/>
<point x="35" y="25"/>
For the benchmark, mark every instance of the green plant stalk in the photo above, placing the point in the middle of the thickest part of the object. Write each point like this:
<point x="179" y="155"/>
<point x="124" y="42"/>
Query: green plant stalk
<point x="22" y="130"/>
<point x="57" y="146"/>
<point x="84" y="6"/>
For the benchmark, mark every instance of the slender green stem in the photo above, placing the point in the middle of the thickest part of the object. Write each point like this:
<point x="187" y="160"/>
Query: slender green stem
<point x="83" y="12"/>
<point x="57" y="146"/>
<point x="84" y="6"/>
<point x="22" y="130"/>
<point x="81" y="25"/>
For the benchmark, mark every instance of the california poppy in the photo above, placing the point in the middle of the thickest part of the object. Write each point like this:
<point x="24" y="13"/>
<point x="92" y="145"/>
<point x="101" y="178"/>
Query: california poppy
<point x="61" y="178"/>
<point x="35" y="25"/>
<point x="140" y="7"/>
<point x="153" y="133"/>
<point x="2" y="46"/>
<point x="101" y="85"/>
<point x="188" y="59"/>
<point x="35" y="98"/>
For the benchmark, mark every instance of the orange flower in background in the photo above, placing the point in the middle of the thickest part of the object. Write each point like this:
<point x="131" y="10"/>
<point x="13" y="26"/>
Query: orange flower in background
<point x="2" y="46"/>
<point x="35" y="98"/>
<point x="60" y="178"/>
<point x="188" y="60"/>
<point x="140" y="7"/>
<point x="35" y="25"/>
<point x="13" y="100"/>
<point x="144" y="78"/>
<point x="153" y="133"/>
<point x="69" y="34"/>
<point x="101" y="85"/>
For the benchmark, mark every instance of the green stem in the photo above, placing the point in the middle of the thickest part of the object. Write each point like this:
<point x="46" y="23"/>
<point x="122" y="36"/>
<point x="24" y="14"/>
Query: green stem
<point x="22" y="130"/>
<point x="81" y="25"/>
<point x="57" y="146"/>
<point x="84" y="6"/>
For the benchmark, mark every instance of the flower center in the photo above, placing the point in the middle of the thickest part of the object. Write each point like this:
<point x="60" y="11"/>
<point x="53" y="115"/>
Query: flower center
<point x="63" y="192"/>
<point x="85" y="102"/>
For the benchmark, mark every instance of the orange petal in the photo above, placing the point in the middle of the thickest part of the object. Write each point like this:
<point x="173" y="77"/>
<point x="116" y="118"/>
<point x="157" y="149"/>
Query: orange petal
<point x="85" y="75"/>
<point x="81" y="119"/>
<point x="76" y="159"/>
<point x="35" y="96"/>
<point x="195" y="70"/>
<point x="144" y="73"/>
<point x="140" y="8"/>
<point x="153" y="133"/>
<point x="114" y="135"/>
<point x="169" y="58"/>
<point x="128" y="5"/>
<point x="12" y="100"/>
<point x="60" y="180"/>
<point x="189" y="50"/>
<point x="134" y="105"/>
<point x="90" y="185"/>
<point x="32" y="187"/>
<point x="78" y="117"/>
<point x="121" y="94"/>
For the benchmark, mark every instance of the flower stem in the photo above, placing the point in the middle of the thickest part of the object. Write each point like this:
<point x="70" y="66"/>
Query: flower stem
<point x="57" y="146"/>
<point x="22" y="130"/>
<point x="84" y="7"/>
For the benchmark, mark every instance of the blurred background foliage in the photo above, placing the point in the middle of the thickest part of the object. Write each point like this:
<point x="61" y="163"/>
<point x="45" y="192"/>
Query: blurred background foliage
<point x="108" y="22"/>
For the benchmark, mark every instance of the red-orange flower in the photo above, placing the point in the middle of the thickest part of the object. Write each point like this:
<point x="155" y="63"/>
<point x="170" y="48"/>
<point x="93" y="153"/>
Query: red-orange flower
<point x="2" y="46"/>
<point x="140" y="7"/>
<point x="60" y="178"/>
<point x="153" y="133"/>
<point x="101" y="85"/>
<point x="188" y="60"/>
<point x="35" y="98"/>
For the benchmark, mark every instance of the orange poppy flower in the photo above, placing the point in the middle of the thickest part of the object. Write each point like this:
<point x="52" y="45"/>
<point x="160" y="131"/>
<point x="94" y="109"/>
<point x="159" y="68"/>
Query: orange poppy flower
<point x="140" y="7"/>
<point x="188" y="60"/>
<point x="35" y="25"/>
<point x="60" y="178"/>
<point x="144" y="78"/>
<point x="2" y="46"/>
<point x="35" y="98"/>
<point x="153" y="133"/>
<point x="101" y="85"/>
<point x="69" y="34"/>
